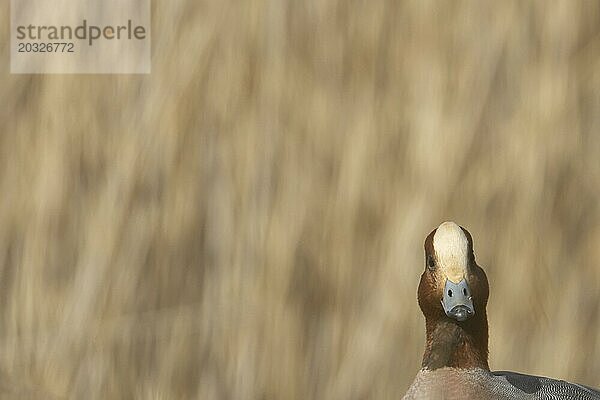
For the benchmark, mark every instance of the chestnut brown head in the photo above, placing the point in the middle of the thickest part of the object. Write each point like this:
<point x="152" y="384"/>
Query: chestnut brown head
<point x="452" y="285"/>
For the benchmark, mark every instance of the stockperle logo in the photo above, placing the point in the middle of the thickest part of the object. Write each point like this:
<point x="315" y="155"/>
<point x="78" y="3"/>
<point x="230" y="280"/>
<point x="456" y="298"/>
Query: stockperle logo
<point x="74" y="36"/>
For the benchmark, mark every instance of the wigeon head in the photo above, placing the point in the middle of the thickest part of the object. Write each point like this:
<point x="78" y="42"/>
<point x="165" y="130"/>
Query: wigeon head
<point x="453" y="294"/>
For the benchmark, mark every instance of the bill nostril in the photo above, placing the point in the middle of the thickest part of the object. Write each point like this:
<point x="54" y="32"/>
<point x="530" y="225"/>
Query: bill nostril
<point x="456" y="301"/>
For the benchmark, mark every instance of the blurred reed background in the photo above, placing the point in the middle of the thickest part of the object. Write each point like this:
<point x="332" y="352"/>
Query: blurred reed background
<point x="247" y="221"/>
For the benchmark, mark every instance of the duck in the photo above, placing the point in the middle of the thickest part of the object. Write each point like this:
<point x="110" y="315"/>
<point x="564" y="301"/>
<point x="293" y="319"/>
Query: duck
<point x="453" y="293"/>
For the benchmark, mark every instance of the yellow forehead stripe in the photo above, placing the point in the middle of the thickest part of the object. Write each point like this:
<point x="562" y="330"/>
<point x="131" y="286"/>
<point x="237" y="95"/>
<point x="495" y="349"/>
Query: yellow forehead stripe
<point x="451" y="249"/>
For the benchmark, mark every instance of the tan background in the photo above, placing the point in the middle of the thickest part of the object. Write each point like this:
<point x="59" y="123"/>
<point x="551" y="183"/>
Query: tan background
<point x="247" y="221"/>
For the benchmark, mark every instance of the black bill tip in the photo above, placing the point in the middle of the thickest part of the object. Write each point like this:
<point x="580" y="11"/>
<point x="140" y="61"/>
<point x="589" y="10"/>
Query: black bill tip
<point x="460" y="313"/>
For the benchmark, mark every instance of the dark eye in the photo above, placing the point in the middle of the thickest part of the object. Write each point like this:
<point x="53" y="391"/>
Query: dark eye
<point x="430" y="263"/>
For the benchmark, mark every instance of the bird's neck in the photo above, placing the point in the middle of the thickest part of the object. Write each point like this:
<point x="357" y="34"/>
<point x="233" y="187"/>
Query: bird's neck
<point x="456" y="344"/>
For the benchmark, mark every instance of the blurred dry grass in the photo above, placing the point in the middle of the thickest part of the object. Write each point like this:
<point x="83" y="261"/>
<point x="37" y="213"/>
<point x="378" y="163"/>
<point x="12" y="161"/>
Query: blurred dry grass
<point x="247" y="221"/>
